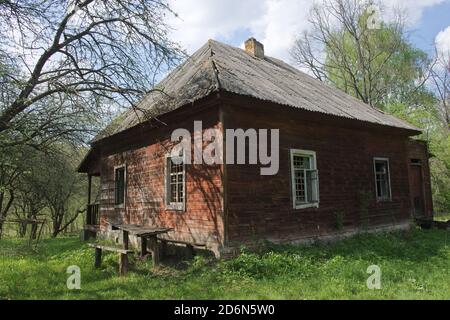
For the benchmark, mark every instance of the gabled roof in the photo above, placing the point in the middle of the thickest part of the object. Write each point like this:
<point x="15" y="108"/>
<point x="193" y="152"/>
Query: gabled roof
<point x="217" y="66"/>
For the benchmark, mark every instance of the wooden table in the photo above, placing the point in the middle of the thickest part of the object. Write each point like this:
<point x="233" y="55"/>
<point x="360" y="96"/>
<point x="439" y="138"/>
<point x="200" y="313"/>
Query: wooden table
<point x="148" y="235"/>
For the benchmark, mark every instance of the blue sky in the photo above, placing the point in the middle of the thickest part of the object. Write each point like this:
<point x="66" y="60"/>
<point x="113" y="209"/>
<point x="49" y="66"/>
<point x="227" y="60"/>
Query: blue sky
<point x="277" y="22"/>
<point x="434" y="20"/>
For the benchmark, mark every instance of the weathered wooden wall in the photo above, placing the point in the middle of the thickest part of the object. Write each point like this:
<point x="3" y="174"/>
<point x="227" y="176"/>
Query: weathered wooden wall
<point x="260" y="207"/>
<point x="228" y="205"/>
<point x="144" y="153"/>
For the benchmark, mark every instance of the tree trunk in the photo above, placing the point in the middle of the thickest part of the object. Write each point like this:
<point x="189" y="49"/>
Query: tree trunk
<point x="34" y="228"/>
<point x="56" y="226"/>
<point x="4" y="211"/>
<point x="23" y="229"/>
<point x="2" y="196"/>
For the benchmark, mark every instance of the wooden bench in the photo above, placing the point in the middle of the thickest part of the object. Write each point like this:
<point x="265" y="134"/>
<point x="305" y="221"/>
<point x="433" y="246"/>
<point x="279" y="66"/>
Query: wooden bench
<point x="189" y="246"/>
<point x="148" y="236"/>
<point x="123" y="256"/>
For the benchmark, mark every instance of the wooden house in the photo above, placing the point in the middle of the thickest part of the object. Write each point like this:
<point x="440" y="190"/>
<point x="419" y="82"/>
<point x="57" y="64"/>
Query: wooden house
<point x="344" y="166"/>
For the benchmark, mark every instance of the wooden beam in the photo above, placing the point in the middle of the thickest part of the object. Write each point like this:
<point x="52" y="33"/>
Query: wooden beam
<point x="125" y="239"/>
<point x="98" y="257"/>
<point x="190" y="251"/>
<point x="163" y="249"/>
<point x="89" y="188"/>
<point x="153" y="243"/>
<point x="111" y="249"/>
<point x="123" y="264"/>
<point x="143" y="247"/>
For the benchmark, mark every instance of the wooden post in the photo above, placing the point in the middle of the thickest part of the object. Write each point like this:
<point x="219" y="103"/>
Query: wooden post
<point x="98" y="257"/>
<point x="190" y="251"/>
<point x="153" y="242"/>
<point x="125" y="239"/>
<point x="143" y="247"/>
<point x="123" y="264"/>
<point x="163" y="249"/>
<point x="89" y="211"/>
<point x="89" y="188"/>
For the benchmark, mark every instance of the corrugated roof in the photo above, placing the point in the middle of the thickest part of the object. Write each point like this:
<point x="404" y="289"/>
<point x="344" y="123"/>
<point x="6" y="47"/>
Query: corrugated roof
<point x="217" y="66"/>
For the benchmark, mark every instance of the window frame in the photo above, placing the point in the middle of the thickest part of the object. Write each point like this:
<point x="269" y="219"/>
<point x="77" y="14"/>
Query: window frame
<point x="313" y="161"/>
<point x="120" y="205"/>
<point x="384" y="159"/>
<point x="174" y="206"/>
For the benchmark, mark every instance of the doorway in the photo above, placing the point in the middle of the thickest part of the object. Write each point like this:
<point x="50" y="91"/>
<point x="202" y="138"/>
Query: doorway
<point x="417" y="188"/>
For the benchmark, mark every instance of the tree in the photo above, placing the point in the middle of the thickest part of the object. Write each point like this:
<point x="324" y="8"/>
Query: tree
<point x="29" y="200"/>
<point x="60" y="59"/>
<point x="440" y="137"/>
<point x="376" y="65"/>
<point x="10" y="170"/>
<point x="380" y="67"/>
<point x="53" y="180"/>
<point x="64" y="66"/>
<point x="440" y="79"/>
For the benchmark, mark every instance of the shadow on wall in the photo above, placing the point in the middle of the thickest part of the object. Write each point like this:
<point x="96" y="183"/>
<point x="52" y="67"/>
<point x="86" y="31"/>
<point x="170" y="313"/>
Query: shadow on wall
<point x="199" y="224"/>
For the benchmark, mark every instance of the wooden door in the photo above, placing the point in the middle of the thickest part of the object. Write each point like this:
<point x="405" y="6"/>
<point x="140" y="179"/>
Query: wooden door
<point x="417" y="191"/>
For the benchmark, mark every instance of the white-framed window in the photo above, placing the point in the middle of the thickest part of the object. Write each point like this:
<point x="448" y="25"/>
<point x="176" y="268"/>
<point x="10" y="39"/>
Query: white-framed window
<point x="175" y="183"/>
<point x="305" y="179"/>
<point x="382" y="179"/>
<point x="120" y="185"/>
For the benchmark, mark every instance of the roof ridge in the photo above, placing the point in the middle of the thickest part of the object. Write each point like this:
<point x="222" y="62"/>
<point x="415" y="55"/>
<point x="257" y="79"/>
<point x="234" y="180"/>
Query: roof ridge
<point x="213" y="64"/>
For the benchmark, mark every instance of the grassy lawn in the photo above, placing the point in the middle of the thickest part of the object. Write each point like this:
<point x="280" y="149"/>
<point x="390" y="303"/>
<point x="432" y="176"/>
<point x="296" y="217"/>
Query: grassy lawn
<point x="414" y="265"/>
<point x="442" y="217"/>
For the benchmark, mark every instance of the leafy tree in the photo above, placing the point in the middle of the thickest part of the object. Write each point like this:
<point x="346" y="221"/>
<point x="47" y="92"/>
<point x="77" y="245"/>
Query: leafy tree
<point x="53" y="181"/>
<point x="382" y="68"/>
<point x="378" y="66"/>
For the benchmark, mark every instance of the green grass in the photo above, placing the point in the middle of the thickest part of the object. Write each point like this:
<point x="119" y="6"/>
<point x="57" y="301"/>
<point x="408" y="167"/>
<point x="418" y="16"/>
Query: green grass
<point x="442" y="217"/>
<point x="414" y="265"/>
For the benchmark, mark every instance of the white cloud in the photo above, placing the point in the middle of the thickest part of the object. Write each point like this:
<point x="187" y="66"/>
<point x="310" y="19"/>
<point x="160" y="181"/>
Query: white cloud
<point x="200" y="20"/>
<point x="443" y="41"/>
<point x="413" y="9"/>
<point x="274" y="22"/>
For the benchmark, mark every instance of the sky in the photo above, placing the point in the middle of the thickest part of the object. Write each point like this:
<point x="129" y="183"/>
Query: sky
<point x="276" y="23"/>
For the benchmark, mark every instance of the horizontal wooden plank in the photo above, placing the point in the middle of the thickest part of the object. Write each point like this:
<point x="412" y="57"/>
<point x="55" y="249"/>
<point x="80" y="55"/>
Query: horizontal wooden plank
<point x="112" y="249"/>
<point x="142" y="231"/>
<point x="182" y="242"/>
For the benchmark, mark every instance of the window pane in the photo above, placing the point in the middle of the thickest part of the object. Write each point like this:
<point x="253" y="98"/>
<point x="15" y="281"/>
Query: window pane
<point x="300" y="195"/>
<point x="180" y="194"/>
<point x="173" y="193"/>
<point x="311" y="185"/>
<point x="302" y="162"/>
<point x="382" y="179"/>
<point x="305" y="179"/>
<point x="175" y="178"/>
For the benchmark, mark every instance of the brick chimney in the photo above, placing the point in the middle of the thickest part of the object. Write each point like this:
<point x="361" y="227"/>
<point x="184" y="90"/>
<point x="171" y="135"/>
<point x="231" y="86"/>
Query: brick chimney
<point x="255" y="48"/>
